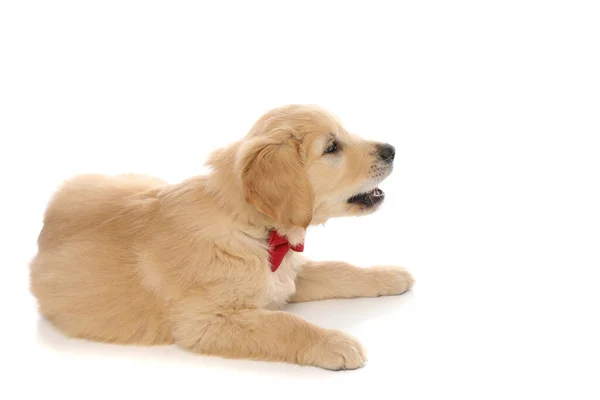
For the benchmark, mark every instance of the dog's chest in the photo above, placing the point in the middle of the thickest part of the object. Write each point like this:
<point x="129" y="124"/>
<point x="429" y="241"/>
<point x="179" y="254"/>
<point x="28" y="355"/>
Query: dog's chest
<point x="281" y="284"/>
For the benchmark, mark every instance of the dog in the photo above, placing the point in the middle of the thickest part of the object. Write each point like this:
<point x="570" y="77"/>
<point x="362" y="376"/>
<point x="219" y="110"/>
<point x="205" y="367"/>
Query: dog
<point x="207" y="263"/>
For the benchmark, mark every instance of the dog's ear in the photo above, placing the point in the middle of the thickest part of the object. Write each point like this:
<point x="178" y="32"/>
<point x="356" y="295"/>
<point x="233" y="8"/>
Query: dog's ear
<point x="274" y="180"/>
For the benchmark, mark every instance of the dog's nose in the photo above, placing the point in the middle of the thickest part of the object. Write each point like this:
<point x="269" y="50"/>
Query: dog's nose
<point x="387" y="152"/>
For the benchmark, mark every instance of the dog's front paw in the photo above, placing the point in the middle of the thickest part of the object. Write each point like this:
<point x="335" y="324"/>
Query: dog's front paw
<point x="391" y="281"/>
<point x="335" y="351"/>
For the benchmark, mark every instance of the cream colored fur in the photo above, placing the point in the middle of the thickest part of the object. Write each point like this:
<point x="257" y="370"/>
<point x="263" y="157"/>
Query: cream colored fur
<point x="132" y="259"/>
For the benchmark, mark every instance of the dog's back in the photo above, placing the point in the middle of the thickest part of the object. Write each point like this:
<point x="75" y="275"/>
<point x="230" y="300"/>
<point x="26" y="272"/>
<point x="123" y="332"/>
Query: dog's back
<point x="87" y="201"/>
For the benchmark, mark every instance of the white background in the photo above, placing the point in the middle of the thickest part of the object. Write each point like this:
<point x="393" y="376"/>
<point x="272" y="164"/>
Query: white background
<point x="494" y="205"/>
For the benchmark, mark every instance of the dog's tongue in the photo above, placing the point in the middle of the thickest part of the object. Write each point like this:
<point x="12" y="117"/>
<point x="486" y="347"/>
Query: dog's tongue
<point x="369" y="198"/>
<point x="375" y="193"/>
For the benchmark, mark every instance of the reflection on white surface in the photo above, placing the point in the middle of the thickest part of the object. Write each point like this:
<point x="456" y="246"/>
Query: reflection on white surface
<point x="345" y="315"/>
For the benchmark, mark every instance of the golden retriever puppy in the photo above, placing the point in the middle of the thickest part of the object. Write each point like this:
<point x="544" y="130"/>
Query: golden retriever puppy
<point x="207" y="262"/>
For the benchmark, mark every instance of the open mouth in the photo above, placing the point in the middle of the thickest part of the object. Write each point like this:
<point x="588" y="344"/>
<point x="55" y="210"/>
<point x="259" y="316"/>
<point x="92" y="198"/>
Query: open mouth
<point x="369" y="199"/>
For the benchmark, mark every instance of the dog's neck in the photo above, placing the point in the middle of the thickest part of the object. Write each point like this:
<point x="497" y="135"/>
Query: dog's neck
<point x="295" y="235"/>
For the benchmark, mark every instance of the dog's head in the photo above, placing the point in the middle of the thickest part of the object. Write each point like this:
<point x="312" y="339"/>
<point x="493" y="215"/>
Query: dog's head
<point x="299" y="166"/>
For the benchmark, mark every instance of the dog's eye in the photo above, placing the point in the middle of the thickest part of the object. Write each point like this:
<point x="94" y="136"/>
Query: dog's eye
<point x="332" y="148"/>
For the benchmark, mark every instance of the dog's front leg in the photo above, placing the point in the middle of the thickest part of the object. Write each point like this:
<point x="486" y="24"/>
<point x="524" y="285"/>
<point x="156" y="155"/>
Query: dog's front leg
<point x="331" y="280"/>
<point x="263" y="335"/>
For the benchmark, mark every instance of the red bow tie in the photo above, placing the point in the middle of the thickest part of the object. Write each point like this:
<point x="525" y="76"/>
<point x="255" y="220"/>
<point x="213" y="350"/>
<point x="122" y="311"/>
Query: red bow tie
<point x="279" y="248"/>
